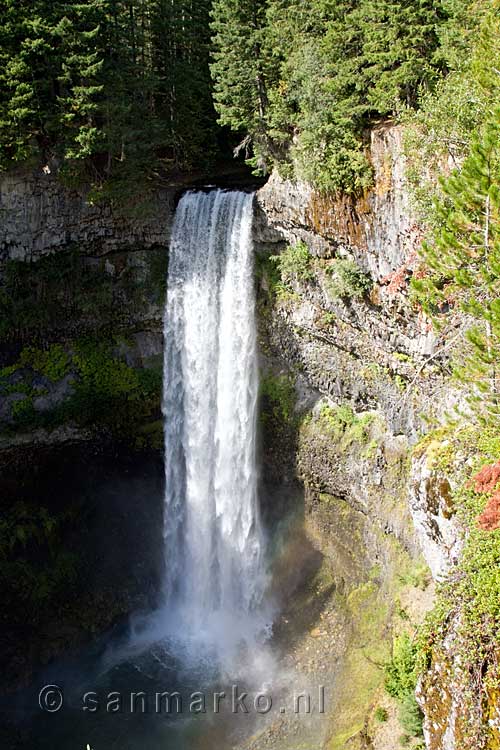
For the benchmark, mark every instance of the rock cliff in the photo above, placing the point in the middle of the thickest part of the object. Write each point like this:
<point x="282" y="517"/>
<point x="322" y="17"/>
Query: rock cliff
<point x="81" y="304"/>
<point x="353" y="377"/>
<point x="39" y="215"/>
<point x="370" y="377"/>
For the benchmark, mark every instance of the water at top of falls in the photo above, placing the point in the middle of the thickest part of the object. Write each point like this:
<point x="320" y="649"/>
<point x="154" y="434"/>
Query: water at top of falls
<point x="214" y="544"/>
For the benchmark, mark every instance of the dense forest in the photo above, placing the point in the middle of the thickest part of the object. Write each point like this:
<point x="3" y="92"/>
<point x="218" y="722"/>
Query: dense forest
<point x="110" y="90"/>
<point x="123" y="92"/>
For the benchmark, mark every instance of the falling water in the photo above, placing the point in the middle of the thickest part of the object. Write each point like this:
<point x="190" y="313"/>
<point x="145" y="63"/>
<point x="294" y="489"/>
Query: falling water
<point x="213" y="537"/>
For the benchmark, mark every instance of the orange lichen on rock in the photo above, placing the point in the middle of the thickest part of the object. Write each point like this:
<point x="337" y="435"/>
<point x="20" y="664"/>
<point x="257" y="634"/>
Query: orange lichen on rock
<point x="339" y="217"/>
<point x="398" y="280"/>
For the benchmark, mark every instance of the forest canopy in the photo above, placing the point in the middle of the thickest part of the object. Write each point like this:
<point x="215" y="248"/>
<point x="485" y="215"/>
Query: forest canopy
<point x="118" y="92"/>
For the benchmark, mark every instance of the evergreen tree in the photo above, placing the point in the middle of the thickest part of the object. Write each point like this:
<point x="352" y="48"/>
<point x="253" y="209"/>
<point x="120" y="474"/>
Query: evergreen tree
<point x="243" y="69"/>
<point x="181" y="39"/>
<point x="113" y="89"/>
<point x="50" y="78"/>
<point x="330" y="150"/>
<point x="329" y="69"/>
<point x="120" y="91"/>
<point x="465" y="260"/>
<point x="79" y="80"/>
<point x="399" y="43"/>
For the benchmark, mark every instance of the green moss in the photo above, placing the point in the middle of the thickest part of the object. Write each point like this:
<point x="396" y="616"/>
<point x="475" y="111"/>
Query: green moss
<point x="107" y="393"/>
<point x="371" y="449"/>
<point x="400" y="382"/>
<point x="418" y="576"/>
<point x="402" y="357"/>
<point x="278" y="398"/>
<point x="23" y="412"/>
<point x="469" y="599"/>
<point x="359" y="431"/>
<point x="335" y="420"/>
<point x="381" y="715"/>
<point x="362" y="675"/>
<point x="53" y="362"/>
<point x="345" y="426"/>
<point x="372" y="371"/>
<point x="326" y="320"/>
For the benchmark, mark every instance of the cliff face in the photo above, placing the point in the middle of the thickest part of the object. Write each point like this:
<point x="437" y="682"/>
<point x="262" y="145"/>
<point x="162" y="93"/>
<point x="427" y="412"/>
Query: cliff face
<point x="72" y="271"/>
<point x="370" y="375"/>
<point x="39" y="216"/>
<point x="351" y="383"/>
<point x="81" y="304"/>
<point x="378" y="229"/>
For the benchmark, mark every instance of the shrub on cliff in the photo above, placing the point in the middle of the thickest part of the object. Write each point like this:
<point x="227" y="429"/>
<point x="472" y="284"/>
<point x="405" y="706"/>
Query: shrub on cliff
<point x="400" y="672"/>
<point x="401" y="681"/>
<point x="348" y="280"/>
<point x="294" y="263"/>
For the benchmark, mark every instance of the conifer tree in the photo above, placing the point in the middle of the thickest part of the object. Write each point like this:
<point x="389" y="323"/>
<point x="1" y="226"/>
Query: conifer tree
<point x="180" y="42"/>
<point x="465" y="258"/>
<point x="243" y="69"/>
<point x="399" y="41"/>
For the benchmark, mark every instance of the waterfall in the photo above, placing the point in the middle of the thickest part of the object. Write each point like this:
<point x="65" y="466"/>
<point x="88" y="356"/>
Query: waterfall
<point x="214" y="550"/>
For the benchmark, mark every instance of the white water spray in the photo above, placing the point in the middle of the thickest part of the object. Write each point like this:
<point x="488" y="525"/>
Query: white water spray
<point x="214" y="547"/>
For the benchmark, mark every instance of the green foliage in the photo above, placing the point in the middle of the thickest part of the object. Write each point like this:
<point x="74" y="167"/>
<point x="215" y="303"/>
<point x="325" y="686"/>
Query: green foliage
<point x="439" y="133"/>
<point x="29" y="534"/>
<point x="109" y="393"/>
<point x="401" y="671"/>
<point x="278" y="398"/>
<point x="53" y="362"/>
<point x="23" y="412"/>
<point x="347" y="280"/>
<point x="400" y="682"/>
<point x="347" y="427"/>
<point x="418" y="576"/>
<point x="106" y="394"/>
<point x="464" y="256"/>
<point x="336" y="420"/>
<point x="113" y="90"/>
<point x="294" y="264"/>
<point x="242" y="67"/>
<point x="468" y="599"/>
<point x="119" y="93"/>
<point x="103" y="374"/>
<point x="381" y="714"/>
<point x="410" y="715"/>
<point x="316" y="74"/>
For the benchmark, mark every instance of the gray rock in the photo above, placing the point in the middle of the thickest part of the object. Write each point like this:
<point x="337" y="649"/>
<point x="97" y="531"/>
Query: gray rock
<point x="38" y="216"/>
